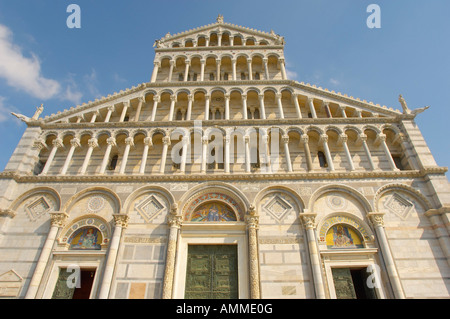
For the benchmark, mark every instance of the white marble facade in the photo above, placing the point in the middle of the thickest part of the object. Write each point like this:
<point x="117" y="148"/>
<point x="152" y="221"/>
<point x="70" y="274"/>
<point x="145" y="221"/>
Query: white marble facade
<point x="220" y="121"/>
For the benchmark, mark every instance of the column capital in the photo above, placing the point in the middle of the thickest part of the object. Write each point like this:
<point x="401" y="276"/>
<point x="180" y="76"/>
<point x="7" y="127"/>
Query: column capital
<point x="111" y="141"/>
<point x="377" y="219"/>
<point x="323" y="138"/>
<point x="278" y="95"/>
<point x="111" y="108"/>
<point x="166" y="140"/>
<point x="246" y="138"/>
<point x="93" y="142"/>
<point x="129" y="141"/>
<point x="343" y="138"/>
<point x="285" y="139"/>
<point x="191" y="98"/>
<point x="58" y="143"/>
<point x="157" y="63"/>
<point x="172" y="62"/>
<point x="173" y="98"/>
<point x="308" y="220"/>
<point x="156" y="98"/>
<point x="75" y="142"/>
<point x="40" y="144"/>
<point x="205" y="140"/>
<point x="58" y="219"/>
<point x="251" y="218"/>
<point x="148" y="141"/>
<point x="304" y="138"/>
<point x="121" y="220"/>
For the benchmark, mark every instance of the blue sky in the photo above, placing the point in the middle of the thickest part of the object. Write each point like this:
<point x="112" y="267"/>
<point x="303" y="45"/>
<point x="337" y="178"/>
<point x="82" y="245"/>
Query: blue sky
<point x="327" y="44"/>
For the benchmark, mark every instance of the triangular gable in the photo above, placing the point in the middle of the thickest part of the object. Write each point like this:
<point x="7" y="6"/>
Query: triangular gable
<point x="219" y="26"/>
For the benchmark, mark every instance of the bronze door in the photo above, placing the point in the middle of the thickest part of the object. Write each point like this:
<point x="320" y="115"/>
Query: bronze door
<point x="212" y="272"/>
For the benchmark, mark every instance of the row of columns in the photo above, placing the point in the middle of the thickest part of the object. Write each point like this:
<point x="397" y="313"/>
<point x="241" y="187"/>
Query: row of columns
<point x="157" y="66"/>
<point x="58" y="221"/>
<point x="174" y="100"/>
<point x="129" y="142"/>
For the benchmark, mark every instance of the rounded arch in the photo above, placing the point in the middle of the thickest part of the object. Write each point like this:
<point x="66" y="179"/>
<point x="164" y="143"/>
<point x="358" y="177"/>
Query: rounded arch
<point x="353" y="221"/>
<point x="280" y="188"/>
<point x="404" y="188"/>
<point x="146" y="189"/>
<point x="36" y="191"/>
<point x="211" y="191"/>
<point x="93" y="190"/>
<point x="253" y="89"/>
<point x="83" y="222"/>
<point x="340" y="188"/>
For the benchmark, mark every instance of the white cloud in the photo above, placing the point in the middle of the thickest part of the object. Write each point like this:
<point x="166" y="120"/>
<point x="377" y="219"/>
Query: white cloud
<point x="5" y="111"/>
<point x="24" y="73"/>
<point x="291" y="75"/>
<point x="334" y="81"/>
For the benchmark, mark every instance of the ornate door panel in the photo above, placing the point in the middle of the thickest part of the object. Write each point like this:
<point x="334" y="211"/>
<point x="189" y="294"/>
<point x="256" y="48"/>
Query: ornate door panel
<point x="62" y="290"/>
<point x="343" y="283"/>
<point x="212" y="272"/>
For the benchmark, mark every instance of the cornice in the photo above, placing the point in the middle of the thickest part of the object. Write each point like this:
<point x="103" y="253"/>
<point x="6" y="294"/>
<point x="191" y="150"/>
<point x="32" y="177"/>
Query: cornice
<point x="223" y="48"/>
<point x="326" y="176"/>
<point x="217" y="123"/>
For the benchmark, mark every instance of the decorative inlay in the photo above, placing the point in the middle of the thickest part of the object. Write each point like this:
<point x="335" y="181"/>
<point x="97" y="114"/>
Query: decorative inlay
<point x="96" y="203"/>
<point x="277" y="207"/>
<point x="336" y="202"/>
<point x="37" y="208"/>
<point x="398" y="205"/>
<point x="149" y="208"/>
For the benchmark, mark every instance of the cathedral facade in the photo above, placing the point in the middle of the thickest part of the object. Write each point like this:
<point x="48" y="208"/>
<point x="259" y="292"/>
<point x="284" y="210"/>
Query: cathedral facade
<point x="222" y="178"/>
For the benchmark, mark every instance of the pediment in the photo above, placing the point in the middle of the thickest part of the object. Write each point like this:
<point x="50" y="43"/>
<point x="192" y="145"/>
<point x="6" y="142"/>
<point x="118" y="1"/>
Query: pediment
<point x="269" y="38"/>
<point x="10" y="276"/>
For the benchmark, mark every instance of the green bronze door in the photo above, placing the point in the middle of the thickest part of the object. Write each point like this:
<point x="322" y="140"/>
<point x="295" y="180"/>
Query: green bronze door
<point x="212" y="272"/>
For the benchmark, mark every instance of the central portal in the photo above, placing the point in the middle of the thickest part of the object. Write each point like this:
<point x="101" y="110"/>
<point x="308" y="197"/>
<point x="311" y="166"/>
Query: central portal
<point x="212" y="272"/>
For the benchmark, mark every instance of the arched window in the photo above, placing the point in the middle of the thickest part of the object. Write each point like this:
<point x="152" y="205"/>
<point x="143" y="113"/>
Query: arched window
<point x="322" y="159"/>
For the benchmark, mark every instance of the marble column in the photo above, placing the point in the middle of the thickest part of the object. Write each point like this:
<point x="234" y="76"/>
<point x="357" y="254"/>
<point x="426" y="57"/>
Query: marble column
<point x="75" y="142"/>
<point x="189" y="108"/>
<point x="129" y="141"/>
<point x="156" y="100"/>
<point x="217" y="69"/>
<point x="121" y="222"/>
<point x="124" y="111"/>
<point x="283" y="69"/>
<point x="252" y="222"/>
<point x="250" y="71"/>
<point x="297" y="106"/>
<point x="377" y="221"/>
<point x="202" y="69"/>
<point x="58" y="220"/>
<point x="244" y="106"/>
<point x="111" y="109"/>
<point x="262" y="106"/>
<point x="308" y="221"/>
<point x="247" y="154"/>
<point x="166" y="143"/>
<point x="305" y="141"/>
<point x="57" y="143"/>
<point x="226" y="140"/>
<point x="207" y="98"/>
<point x="139" y="108"/>
<point x="110" y="141"/>
<point x="205" y="142"/>
<point x="147" y="144"/>
<point x="381" y="138"/>
<point x="156" y="66"/>
<point x="280" y="105"/>
<point x="174" y="220"/>
<point x="173" y="100"/>
<point x="312" y="108"/>
<point x="266" y="68"/>
<point x="363" y="139"/>
<point x="227" y="106"/>
<point x="287" y="154"/>
<point x="324" y="140"/>
<point x="233" y="64"/>
<point x="343" y="140"/>
<point x="186" y="70"/>
<point x="93" y="143"/>
<point x="172" y="64"/>
<point x="95" y="114"/>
